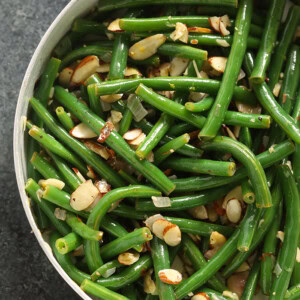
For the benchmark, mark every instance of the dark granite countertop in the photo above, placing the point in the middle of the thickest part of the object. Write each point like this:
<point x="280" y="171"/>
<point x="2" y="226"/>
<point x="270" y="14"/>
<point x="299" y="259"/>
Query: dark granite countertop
<point x="25" y="272"/>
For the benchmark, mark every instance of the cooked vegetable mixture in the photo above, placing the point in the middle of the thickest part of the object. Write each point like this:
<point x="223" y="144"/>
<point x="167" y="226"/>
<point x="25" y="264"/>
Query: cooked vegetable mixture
<point x="164" y="150"/>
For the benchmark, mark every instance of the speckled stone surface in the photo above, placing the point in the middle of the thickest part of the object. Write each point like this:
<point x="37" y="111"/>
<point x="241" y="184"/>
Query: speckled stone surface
<point x="25" y="272"/>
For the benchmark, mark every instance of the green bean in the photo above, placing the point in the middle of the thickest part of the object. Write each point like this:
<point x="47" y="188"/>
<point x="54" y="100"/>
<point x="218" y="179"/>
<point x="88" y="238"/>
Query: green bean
<point x="286" y="258"/>
<point x="103" y="51"/>
<point x="31" y="188"/>
<point x="205" y="273"/>
<point x="83" y="230"/>
<point x="108" y="5"/>
<point x="266" y="159"/>
<point x="68" y="243"/>
<point x="181" y="128"/>
<point x="251" y="283"/>
<point x="202" y="166"/>
<point x="94" y="100"/>
<point x="100" y="291"/>
<point x="268" y="254"/>
<point x="66" y="44"/>
<point x="173" y="251"/>
<point x="119" y="56"/>
<point x="179" y="50"/>
<point x="62" y="199"/>
<point x="161" y="261"/>
<point x="126" y="211"/>
<point x="88" y="156"/>
<point x="64" y="118"/>
<point x="155" y="135"/>
<point x="115" y="141"/>
<point x="92" y="253"/>
<point x="68" y="175"/>
<point x="247" y="158"/>
<point x="216" y="115"/>
<point x="129" y="178"/>
<point x="56" y="147"/>
<point x="213" y="294"/>
<point x="203" y="105"/>
<point x="128" y="275"/>
<point x="293" y="293"/>
<point x="43" y="167"/>
<point x="265" y="224"/>
<point x="126" y="121"/>
<point x="130" y="292"/>
<point x="167" y="149"/>
<point x="104" y="268"/>
<point x="128" y="241"/>
<point x="267" y="100"/>
<point x="196" y="257"/>
<point x="245" y="137"/>
<point x="248" y="227"/>
<point x="247" y="191"/>
<point x="162" y="23"/>
<point x="65" y="261"/>
<point x="199" y="227"/>
<point x="296" y="156"/>
<point x="153" y="61"/>
<point x="88" y="26"/>
<point x="185" y="202"/>
<point x="267" y="44"/>
<point x="281" y="49"/>
<point x="183" y="83"/>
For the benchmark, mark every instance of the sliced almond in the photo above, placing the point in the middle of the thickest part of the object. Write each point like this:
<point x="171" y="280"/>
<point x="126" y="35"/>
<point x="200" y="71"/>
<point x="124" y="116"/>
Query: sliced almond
<point x="52" y="181"/>
<point x="199" y="30"/>
<point x="82" y="131"/>
<point x="236" y="282"/>
<point x="111" y="98"/>
<point x="132" y="134"/>
<point x="223" y="30"/>
<point x="226" y="21"/>
<point x="172" y="235"/>
<point x="103" y="68"/>
<point x="199" y="212"/>
<point x="84" y="196"/>
<point x="280" y="235"/>
<point x="146" y="47"/>
<point x="98" y="149"/>
<point x="242" y="75"/>
<point x="65" y="77"/>
<point x="138" y="140"/>
<point x="217" y="239"/>
<point x="178" y="66"/>
<point x="159" y="226"/>
<point x="218" y="63"/>
<point x="170" y="276"/>
<point x="214" y="23"/>
<point x="200" y="296"/>
<point x="115" y="26"/>
<point x="236" y="193"/>
<point x="234" y="210"/>
<point x="128" y="258"/>
<point x="91" y="174"/>
<point x="149" y="221"/>
<point x="149" y="284"/>
<point x="181" y="33"/>
<point x="222" y="43"/>
<point x="105" y="132"/>
<point x="164" y="70"/>
<point x="87" y="67"/>
<point x="129" y="71"/>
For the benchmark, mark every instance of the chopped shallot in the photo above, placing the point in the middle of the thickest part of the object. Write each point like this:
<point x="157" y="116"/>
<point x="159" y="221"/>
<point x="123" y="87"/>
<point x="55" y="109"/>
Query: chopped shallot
<point x="161" y="201"/>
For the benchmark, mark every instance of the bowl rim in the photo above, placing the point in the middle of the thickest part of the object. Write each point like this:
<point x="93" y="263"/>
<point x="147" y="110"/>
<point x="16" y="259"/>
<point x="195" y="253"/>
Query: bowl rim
<point x="59" y="27"/>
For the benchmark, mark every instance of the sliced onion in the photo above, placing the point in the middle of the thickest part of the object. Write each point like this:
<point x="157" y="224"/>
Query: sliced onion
<point x="82" y="131"/>
<point x="105" y="132"/>
<point x="136" y="107"/>
<point x="161" y="201"/>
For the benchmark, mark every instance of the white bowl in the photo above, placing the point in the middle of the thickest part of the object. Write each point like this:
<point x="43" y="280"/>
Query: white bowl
<point x="57" y="30"/>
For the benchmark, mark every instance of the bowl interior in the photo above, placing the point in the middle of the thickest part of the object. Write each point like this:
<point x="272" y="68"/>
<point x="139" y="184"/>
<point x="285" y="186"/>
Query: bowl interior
<point x="57" y="30"/>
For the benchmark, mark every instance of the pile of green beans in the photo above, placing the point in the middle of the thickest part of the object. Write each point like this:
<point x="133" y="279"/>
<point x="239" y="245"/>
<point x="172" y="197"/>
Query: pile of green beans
<point x="196" y="173"/>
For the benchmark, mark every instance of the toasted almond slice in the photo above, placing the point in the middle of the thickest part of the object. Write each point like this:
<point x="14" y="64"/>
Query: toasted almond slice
<point x="159" y="226"/>
<point x="87" y="67"/>
<point x="149" y="284"/>
<point x="199" y="30"/>
<point x="91" y="174"/>
<point x="65" y="77"/>
<point x="181" y="33"/>
<point x="178" y="66"/>
<point x="129" y="71"/>
<point x="200" y="296"/>
<point x="170" y="276"/>
<point x="236" y="193"/>
<point x="223" y="30"/>
<point x="236" y="282"/>
<point x="234" y="210"/>
<point x="172" y="235"/>
<point x="128" y="258"/>
<point x="242" y="75"/>
<point x="149" y="221"/>
<point x="218" y="63"/>
<point x="52" y="181"/>
<point x="103" y="68"/>
<point x="226" y="21"/>
<point x="217" y="239"/>
<point x="164" y="69"/>
<point x="84" y="196"/>
<point x="132" y="134"/>
<point x="199" y="212"/>
<point x="115" y="26"/>
<point x="146" y="47"/>
<point x="105" y="132"/>
<point x="138" y="140"/>
<point x="111" y="98"/>
<point x="98" y="149"/>
<point x="214" y="23"/>
<point x="82" y="131"/>
<point x="60" y="214"/>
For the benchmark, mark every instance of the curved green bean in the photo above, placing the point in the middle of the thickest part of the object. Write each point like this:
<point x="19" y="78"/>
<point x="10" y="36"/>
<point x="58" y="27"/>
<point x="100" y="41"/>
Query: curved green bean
<point x="293" y="293"/>
<point x="203" y="105"/>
